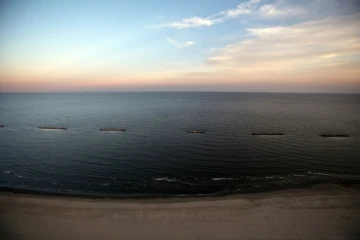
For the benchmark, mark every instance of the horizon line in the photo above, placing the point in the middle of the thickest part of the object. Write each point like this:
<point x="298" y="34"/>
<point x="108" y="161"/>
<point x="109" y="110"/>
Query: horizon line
<point x="175" y="91"/>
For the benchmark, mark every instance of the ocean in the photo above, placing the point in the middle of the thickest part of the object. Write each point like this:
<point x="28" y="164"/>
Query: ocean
<point x="156" y="157"/>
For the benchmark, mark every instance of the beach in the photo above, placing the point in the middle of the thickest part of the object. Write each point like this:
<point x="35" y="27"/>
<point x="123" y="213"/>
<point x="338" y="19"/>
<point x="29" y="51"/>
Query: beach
<point x="325" y="211"/>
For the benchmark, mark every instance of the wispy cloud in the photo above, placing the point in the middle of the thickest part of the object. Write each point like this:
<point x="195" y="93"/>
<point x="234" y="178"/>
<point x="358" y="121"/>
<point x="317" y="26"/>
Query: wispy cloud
<point x="180" y="44"/>
<point x="194" y="22"/>
<point x="313" y="44"/>
<point x="191" y="23"/>
<point x="269" y="10"/>
<point x="241" y="9"/>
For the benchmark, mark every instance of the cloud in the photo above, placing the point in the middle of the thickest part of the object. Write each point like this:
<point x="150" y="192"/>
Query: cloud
<point x="275" y="11"/>
<point x="180" y="44"/>
<point x="309" y="45"/>
<point x="271" y="9"/>
<point x="241" y="9"/>
<point x="191" y="23"/>
<point x="195" y="22"/>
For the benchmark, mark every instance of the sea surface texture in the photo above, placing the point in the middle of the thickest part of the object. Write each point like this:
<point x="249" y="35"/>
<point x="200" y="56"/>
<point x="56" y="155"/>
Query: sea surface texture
<point x="156" y="156"/>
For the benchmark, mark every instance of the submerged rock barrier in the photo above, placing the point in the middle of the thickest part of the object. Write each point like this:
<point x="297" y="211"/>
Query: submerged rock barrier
<point x="334" y="135"/>
<point x="53" y="128"/>
<point x="268" y="134"/>
<point x="112" y="129"/>
<point x="195" y="131"/>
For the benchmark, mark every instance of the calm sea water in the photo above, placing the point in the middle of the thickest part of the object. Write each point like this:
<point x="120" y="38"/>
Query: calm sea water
<point x="155" y="156"/>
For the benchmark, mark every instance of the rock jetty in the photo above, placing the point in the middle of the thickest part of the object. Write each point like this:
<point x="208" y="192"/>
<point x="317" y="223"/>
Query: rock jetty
<point x="268" y="134"/>
<point x="112" y="129"/>
<point x="195" y="131"/>
<point x="334" y="135"/>
<point x="53" y="128"/>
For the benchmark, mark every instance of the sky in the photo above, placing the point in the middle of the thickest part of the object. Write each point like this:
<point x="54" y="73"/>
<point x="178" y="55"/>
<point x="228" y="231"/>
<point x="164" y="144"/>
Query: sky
<point x="187" y="45"/>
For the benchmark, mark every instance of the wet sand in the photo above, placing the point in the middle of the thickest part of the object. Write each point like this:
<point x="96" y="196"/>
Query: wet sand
<point x="318" y="212"/>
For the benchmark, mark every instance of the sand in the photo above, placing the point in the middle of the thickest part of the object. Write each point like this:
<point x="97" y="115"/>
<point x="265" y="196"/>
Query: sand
<point x="319" y="212"/>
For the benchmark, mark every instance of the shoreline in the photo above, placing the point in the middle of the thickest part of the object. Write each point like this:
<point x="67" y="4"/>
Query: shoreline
<point x="324" y="211"/>
<point x="354" y="184"/>
<point x="300" y="190"/>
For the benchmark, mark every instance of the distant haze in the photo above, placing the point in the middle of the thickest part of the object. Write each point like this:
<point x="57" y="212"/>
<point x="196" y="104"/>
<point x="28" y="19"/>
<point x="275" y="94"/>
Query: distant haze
<point x="158" y="45"/>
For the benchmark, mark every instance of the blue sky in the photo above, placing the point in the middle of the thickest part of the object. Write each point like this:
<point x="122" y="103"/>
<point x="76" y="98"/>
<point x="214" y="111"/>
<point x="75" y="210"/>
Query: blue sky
<point x="228" y="45"/>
